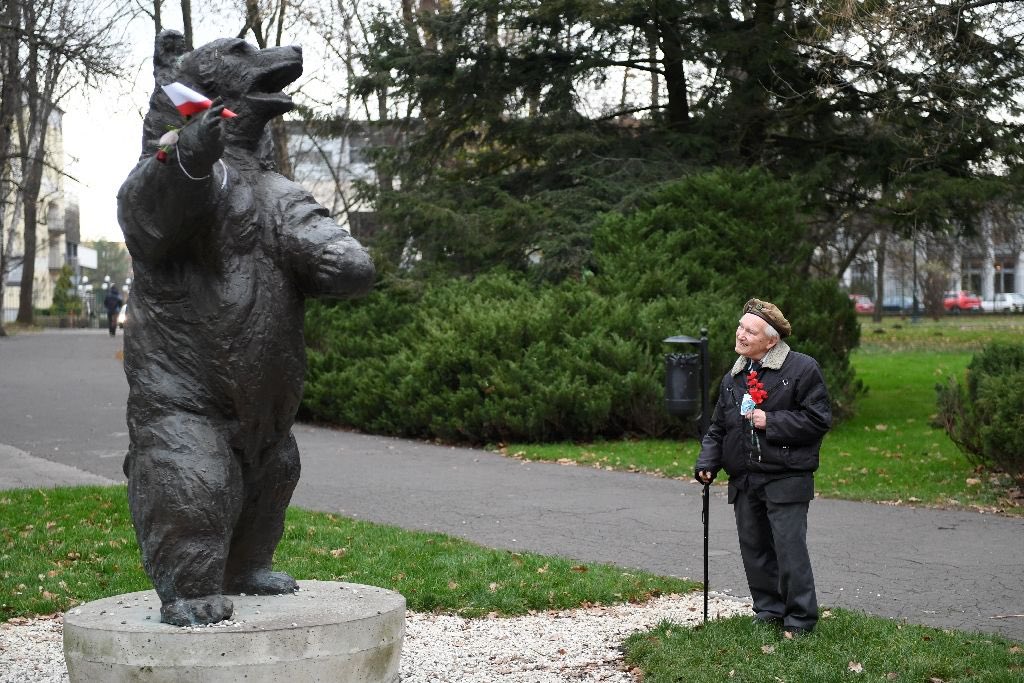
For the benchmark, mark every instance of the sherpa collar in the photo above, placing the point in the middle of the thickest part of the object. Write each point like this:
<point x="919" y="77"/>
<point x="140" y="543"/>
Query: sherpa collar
<point x="772" y="360"/>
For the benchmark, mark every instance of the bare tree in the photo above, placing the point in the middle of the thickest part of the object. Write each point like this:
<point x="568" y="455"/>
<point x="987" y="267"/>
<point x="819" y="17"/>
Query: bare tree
<point x="9" y="98"/>
<point x="51" y="48"/>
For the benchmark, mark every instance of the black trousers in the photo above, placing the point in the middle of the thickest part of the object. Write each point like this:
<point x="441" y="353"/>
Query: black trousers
<point x="112" y="322"/>
<point x="772" y="529"/>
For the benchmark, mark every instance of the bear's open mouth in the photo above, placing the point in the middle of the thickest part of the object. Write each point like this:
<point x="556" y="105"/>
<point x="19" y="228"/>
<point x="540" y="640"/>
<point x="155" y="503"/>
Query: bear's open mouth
<point x="268" y="86"/>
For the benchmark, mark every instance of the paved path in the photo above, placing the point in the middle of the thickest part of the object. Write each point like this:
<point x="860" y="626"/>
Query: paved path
<point x="62" y="422"/>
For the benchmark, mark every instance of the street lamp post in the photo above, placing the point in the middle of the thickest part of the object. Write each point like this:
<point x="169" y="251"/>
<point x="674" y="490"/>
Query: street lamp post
<point x="687" y="381"/>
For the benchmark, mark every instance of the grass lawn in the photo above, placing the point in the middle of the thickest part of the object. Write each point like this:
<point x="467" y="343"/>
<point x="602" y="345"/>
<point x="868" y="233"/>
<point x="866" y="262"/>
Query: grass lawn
<point x="62" y="547"/>
<point x="845" y="646"/>
<point x="889" y="451"/>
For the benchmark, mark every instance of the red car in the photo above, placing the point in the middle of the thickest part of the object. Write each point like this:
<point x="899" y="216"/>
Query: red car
<point x="954" y="302"/>
<point x="862" y="303"/>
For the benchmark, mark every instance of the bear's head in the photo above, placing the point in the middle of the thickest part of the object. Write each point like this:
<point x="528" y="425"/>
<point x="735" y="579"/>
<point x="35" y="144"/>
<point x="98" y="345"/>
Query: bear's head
<point x="250" y="81"/>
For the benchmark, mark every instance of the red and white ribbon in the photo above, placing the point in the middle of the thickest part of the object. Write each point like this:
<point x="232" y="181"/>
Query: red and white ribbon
<point x="189" y="102"/>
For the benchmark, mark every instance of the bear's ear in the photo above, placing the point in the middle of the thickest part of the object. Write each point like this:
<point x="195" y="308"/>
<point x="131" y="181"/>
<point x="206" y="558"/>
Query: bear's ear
<point x="167" y="50"/>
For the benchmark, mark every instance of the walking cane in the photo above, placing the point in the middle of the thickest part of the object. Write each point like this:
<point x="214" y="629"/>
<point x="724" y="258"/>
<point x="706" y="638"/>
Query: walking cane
<point x="706" y="523"/>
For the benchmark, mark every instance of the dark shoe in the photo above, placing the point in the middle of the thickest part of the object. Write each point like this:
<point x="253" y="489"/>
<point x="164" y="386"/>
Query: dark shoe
<point x="768" y="620"/>
<point x="793" y="632"/>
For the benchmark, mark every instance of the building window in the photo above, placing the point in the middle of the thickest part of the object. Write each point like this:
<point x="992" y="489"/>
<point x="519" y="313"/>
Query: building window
<point x="971" y="275"/>
<point x="1005" y="271"/>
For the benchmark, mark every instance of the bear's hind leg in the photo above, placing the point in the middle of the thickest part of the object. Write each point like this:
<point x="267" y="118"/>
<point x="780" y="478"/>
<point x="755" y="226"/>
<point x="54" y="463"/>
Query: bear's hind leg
<point x="268" y="490"/>
<point x="184" y="493"/>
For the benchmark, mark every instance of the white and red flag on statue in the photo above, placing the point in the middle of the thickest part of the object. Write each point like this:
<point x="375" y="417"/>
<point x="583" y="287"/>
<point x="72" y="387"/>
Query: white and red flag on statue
<point x="189" y="102"/>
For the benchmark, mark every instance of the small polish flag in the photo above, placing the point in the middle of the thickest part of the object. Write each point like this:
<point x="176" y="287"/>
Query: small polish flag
<point x="189" y="102"/>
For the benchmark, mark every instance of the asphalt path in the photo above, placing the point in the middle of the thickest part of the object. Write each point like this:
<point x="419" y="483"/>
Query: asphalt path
<point x="62" y="422"/>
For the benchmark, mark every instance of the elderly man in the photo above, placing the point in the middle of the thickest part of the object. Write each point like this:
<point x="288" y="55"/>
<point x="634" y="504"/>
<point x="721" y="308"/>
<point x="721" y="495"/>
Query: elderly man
<point x="773" y="412"/>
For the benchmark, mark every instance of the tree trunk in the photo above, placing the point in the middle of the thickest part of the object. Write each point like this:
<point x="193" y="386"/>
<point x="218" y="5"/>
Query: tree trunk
<point x="652" y="56"/>
<point x="279" y="132"/>
<point x="9" y="98"/>
<point x="186" y="21"/>
<point x="883" y="240"/>
<point x="28" y="266"/>
<point x="675" y="75"/>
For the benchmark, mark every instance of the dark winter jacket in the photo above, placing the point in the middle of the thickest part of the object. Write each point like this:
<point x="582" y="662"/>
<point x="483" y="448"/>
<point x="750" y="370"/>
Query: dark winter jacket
<point x="798" y="416"/>
<point x="113" y="301"/>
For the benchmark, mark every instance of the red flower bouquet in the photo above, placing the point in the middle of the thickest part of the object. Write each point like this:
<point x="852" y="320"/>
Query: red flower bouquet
<point x="756" y="389"/>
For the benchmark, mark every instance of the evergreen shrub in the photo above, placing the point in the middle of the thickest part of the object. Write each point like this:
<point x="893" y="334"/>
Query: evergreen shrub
<point x="983" y="416"/>
<point x="501" y="358"/>
<point x="64" y="300"/>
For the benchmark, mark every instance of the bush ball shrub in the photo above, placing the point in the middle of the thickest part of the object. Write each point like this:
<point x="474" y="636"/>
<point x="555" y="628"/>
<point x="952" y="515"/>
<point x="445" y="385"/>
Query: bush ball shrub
<point x="983" y="416"/>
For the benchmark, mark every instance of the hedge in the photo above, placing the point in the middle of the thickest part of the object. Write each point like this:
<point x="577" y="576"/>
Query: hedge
<point x="498" y="358"/>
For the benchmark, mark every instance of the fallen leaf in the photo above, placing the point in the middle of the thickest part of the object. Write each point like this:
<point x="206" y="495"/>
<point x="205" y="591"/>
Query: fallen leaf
<point x="855" y="667"/>
<point x="579" y="568"/>
<point x="339" y="552"/>
<point x="891" y="676"/>
<point x="542" y="570"/>
<point x="1015" y="650"/>
<point x="881" y="428"/>
<point x="768" y="649"/>
<point x="452" y="585"/>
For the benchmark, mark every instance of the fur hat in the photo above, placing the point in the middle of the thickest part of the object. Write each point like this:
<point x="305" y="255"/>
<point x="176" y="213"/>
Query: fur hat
<point x="769" y="313"/>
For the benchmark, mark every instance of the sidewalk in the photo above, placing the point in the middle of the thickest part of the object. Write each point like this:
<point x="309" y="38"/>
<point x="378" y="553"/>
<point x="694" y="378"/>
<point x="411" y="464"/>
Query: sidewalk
<point x="940" y="568"/>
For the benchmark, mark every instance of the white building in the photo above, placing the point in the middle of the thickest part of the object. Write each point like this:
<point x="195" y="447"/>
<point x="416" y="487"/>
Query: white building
<point x="990" y="263"/>
<point x="51" y="244"/>
<point x="331" y="161"/>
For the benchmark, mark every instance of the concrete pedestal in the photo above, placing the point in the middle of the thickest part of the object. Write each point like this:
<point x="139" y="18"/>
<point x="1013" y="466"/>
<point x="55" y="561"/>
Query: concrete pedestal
<point x="328" y="631"/>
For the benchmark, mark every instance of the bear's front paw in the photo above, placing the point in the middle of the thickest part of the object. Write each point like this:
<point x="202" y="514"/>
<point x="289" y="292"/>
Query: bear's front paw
<point x="201" y="142"/>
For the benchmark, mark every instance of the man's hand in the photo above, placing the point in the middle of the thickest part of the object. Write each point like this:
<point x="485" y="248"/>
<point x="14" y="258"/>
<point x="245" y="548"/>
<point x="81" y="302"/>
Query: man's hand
<point x="758" y="418"/>
<point x="704" y="477"/>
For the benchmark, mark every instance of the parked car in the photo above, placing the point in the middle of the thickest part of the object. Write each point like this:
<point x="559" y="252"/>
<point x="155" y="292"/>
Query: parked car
<point x="900" y="304"/>
<point x="862" y="303"/>
<point x="122" y="317"/>
<point x="1005" y="302"/>
<point x="954" y="302"/>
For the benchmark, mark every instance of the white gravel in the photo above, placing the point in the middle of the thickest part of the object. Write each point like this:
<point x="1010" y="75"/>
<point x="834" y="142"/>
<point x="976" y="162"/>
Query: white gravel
<point x="546" y="647"/>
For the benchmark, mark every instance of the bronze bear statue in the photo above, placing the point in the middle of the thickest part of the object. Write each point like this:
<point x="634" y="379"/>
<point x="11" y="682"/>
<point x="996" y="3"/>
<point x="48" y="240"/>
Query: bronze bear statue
<point x="225" y="252"/>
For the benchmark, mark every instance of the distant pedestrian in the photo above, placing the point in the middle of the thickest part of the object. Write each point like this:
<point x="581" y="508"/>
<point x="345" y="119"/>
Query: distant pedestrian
<point x="112" y="302"/>
<point x="773" y="412"/>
